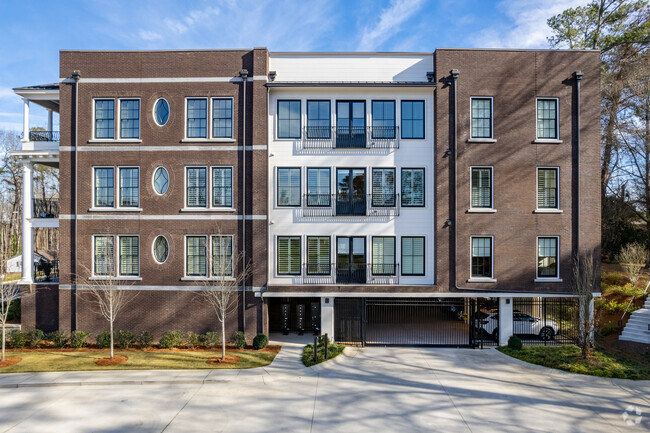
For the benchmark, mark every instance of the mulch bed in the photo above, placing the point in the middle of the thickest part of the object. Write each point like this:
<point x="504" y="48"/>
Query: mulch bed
<point x="230" y="360"/>
<point x="105" y="362"/>
<point x="8" y="362"/>
<point x="148" y="349"/>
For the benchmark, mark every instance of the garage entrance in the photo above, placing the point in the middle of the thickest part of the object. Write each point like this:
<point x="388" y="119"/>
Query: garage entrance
<point x="295" y="315"/>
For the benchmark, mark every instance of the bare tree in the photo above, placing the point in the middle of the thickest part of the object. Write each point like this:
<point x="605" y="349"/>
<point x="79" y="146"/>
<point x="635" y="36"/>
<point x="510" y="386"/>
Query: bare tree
<point x="225" y="277"/>
<point x="584" y="279"/>
<point x="8" y="292"/>
<point x="633" y="259"/>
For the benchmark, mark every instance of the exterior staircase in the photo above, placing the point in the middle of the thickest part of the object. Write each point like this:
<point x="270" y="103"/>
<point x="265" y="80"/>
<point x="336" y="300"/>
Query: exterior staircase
<point x="638" y="326"/>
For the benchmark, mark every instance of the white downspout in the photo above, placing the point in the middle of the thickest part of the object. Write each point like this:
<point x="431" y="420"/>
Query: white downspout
<point x="28" y="239"/>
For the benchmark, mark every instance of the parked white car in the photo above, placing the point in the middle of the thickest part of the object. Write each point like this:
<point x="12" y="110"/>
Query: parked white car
<point x="523" y="324"/>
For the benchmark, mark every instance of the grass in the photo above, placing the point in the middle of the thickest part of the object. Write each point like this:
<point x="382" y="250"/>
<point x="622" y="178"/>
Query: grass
<point x="604" y="362"/>
<point x="84" y="360"/>
<point x="333" y="350"/>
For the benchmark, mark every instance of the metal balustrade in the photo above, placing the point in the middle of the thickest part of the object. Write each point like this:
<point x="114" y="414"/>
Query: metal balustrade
<point x="44" y="136"/>
<point x="46" y="208"/>
<point x="355" y="273"/>
<point x="46" y="271"/>
<point x="345" y="137"/>
<point x="329" y="205"/>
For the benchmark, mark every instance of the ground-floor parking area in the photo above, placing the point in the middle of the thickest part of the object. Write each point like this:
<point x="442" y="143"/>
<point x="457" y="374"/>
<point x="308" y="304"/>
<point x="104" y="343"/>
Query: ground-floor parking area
<point x="379" y="389"/>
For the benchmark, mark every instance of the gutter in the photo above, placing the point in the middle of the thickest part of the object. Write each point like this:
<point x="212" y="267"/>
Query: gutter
<point x="578" y="78"/>
<point x="75" y="76"/>
<point x="244" y="76"/>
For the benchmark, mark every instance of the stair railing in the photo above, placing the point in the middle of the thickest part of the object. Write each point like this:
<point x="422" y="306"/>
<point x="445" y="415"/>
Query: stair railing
<point x="632" y="300"/>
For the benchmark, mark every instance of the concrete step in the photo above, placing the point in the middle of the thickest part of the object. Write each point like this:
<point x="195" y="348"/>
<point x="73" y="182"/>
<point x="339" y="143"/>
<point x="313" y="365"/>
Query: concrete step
<point x="636" y="328"/>
<point x="635" y="331"/>
<point x="638" y="319"/>
<point x="635" y="339"/>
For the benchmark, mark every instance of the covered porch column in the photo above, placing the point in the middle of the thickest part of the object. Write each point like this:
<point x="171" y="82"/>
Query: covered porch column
<point x="25" y="119"/>
<point x="28" y="237"/>
<point x="327" y="317"/>
<point x="505" y="320"/>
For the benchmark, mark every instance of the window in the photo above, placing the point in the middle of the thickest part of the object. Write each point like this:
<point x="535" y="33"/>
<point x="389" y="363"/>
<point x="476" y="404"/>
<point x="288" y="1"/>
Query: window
<point x="481" y="257"/>
<point x="318" y="255"/>
<point x="318" y="119"/>
<point x="197" y="118"/>
<point x="222" y="265"/>
<point x="160" y="180"/>
<point x="288" y="119"/>
<point x="129" y="186"/>
<point x="412" y="119"/>
<point x="288" y="187"/>
<point x="547" y="119"/>
<point x="161" y="112"/>
<point x="222" y="187"/>
<point x="547" y="188"/>
<point x="547" y="257"/>
<point x="318" y="187"/>
<point x="383" y="119"/>
<point x="129" y="118"/>
<point x="129" y="256"/>
<point x="383" y="187"/>
<point x="103" y="256"/>
<point x="481" y="118"/>
<point x="481" y="187"/>
<point x="105" y="118"/>
<point x="197" y="186"/>
<point x="383" y="255"/>
<point x="160" y="249"/>
<point x="196" y="260"/>
<point x="289" y="255"/>
<point x="413" y="255"/>
<point x="104" y="187"/>
<point x="222" y="118"/>
<point x="412" y="187"/>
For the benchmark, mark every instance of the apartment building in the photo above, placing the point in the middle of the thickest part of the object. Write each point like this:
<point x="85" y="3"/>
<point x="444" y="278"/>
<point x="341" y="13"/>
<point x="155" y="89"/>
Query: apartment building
<point x="383" y="198"/>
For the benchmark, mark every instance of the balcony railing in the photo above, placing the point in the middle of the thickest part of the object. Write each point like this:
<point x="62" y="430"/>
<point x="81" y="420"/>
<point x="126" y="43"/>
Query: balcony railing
<point x="46" y="271"/>
<point x="361" y="273"/>
<point x="46" y="208"/>
<point x="327" y="205"/>
<point x="362" y="137"/>
<point x="44" y="136"/>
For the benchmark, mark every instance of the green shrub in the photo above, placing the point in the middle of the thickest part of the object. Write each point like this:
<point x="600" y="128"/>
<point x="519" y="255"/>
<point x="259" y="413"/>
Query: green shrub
<point x="125" y="339"/>
<point x="59" y="338"/>
<point x="627" y="291"/>
<point x="17" y="339"/>
<point x="103" y="340"/>
<point x="614" y="279"/>
<point x="608" y="328"/>
<point x="145" y="339"/>
<point x="260" y="341"/>
<point x="209" y="339"/>
<point x="514" y="343"/>
<point x="239" y="340"/>
<point x="613" y="307"/>
<point x="171" y="339"/>
<point x="191" y="340"/>
<point x="333" y="350"/>
<point x="35" y="337"/>
<point x="78" y="339"/>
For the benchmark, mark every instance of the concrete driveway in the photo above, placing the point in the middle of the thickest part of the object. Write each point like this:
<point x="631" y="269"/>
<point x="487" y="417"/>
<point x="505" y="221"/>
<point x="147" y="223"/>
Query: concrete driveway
<point x="376" y="390"/>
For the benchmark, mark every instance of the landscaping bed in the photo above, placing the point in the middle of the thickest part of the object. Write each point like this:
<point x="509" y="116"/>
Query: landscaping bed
<point x="333" y="350"/>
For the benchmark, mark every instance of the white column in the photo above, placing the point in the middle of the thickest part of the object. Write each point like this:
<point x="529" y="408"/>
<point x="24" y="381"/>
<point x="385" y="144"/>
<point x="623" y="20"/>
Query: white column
<point x="25" y="119"/>
<point x="49" y="120"/>
<point x="505" y="320"/>
<point x="327" y="317"/>
<point x="28" y="241"/>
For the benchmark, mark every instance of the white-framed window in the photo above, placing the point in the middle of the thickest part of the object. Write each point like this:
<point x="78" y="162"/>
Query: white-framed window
<point x="160" y="180"/>
<point x="548" y="253"/>
<point x="161" y="111"/>
<point x="548" y="188"/>
<point x="196" y="117"/>
<point x="129" y="109"/>
<point x="104" y="187"/>
<point x="209" y="118"/>
<point x="222" y="117"/>
<point x="222" y="187"/>
<point x="129" y="255"/>
<point x="214" y="259"/>
<point x="482" y="257"/>
<point x="548" y="123"/>
<point x="129" y="190"/>
<point x="482" y="117"/>
<point x="196" y="187"/>
<point x="221" y="256"/>
<point x="160" y="249"/>
<point x="104" y="118"/>
<point x="209" y="187"/>
<point x="107" y="195"/>
<point x="103" y="255"/>
<point x="482" y="188"/>
<point x="196" y="256"/>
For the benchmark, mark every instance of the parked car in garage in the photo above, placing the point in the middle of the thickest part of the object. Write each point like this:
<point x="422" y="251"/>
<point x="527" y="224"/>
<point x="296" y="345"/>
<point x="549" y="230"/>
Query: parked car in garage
<point x="523" y="324"/>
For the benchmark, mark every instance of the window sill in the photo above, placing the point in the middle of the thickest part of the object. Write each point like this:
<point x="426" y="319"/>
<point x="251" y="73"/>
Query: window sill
<point x="482" y="140"/>
<point x="547" y="141"/>
<point x="208" y="140"/>
<point x="115" y="209"/>
<point x="211" y="279"/>
<point x="208" y="209"/>
<point x="547" y="211"/>
<point x="481" y="280"/>
<point x="479" y="210"/>
<point x="115" y="279"/>
<point x="112" y="140"/>
<point x="548" y="280"/>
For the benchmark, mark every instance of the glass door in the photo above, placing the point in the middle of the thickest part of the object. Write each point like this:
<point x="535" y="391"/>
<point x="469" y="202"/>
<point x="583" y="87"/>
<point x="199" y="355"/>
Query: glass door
<point x="351" y="191"/>
<point x="350" y="124"/>
<point x="350" y="260"/>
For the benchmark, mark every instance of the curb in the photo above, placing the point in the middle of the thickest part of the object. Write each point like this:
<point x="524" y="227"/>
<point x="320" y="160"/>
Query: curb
<point x="348" y="352"/>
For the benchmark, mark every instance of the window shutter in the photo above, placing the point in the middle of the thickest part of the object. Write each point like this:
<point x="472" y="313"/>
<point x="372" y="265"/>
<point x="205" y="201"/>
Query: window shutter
<point x="289" y="255"/>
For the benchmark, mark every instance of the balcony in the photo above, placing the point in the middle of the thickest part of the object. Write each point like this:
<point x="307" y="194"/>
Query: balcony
<point x="46" y="272"/>
<point x="44" y="136"/>
<point x="329" y="205"/>
<point x="46" y="208"/>
<point x="356" y="273"/>
<point x="363" y="137"/>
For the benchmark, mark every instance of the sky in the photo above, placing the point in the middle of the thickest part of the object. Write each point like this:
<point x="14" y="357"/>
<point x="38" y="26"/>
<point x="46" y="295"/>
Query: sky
<point x="33" y="31"/>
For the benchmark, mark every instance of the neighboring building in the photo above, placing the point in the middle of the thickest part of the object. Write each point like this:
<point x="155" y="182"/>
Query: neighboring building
<point x="388" y="196"/>
<point x="15" y="264"/>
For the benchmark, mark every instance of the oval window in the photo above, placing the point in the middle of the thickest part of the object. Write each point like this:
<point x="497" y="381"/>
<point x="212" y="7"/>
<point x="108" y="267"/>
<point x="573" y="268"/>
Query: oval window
<point x="161" y="111"/>
<point x="160" y="180"/>
<point x="160" y="249"/>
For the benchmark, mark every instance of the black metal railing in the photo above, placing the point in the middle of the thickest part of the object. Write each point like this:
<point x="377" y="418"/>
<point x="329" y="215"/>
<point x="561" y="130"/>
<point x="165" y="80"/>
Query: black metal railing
<point x="354" y="273"/>
<point x="46" y="208"/>
<point x="317" y="273"/>
<point x="44" y="136"/>
<point x="46" y="271"/>
<point x="327" y="205"/>
<point x="546" y="321"/>
<point x="383" y="273"/>
<point x="351" y="204"/>
<point x="345" y="137"/>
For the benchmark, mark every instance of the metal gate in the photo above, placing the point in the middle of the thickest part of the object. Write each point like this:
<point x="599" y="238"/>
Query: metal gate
<point x="546" y="321"/>
<point x="348" y="320"/>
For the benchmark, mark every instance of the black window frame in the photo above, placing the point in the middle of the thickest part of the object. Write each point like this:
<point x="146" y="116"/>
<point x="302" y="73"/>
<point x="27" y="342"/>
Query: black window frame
<point x="289" y="137"/>
<point x="329" y="187"/>
<point x="424" y="116"/>
<point x="390" y="203"/>
<point x="372" y="256"/>
<point x="372" y="122"/>
<point x="424" y="187"/>
<point x="424" y="256"/>
<point x="327" y="128"/>
<point x="277" y="186"/>
<point x="277" y="255"/>
<point x="329" y="256"/>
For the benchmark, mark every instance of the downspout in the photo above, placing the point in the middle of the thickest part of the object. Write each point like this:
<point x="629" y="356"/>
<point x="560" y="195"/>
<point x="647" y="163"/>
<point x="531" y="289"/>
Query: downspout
<point x="578" y="77"/>
<point x="75" y="77"/>
<point x="244" y="76"/>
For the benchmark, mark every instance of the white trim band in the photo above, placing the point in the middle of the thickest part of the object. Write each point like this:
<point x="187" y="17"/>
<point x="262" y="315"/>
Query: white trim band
<point x="190" y="287"/>
<point x="180" y="148"/>
<point x="165" y="80"/>
<point x="162" y="217"/>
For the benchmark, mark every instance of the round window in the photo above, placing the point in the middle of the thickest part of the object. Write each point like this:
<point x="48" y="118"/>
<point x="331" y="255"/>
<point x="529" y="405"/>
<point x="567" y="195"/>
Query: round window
<point x="160" y="249"/>
<point x="161" y="111"/>
<point x="160" y="180"/>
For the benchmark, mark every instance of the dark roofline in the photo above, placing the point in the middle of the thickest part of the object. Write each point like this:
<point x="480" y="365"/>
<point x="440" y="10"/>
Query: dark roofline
<point x="350" y="84"/>
<point x="53" y="86"/>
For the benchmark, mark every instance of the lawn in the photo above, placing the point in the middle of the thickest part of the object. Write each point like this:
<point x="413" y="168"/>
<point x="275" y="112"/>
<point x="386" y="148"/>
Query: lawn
<point x="605" y="362"/>
<point x="155" y="359"/>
